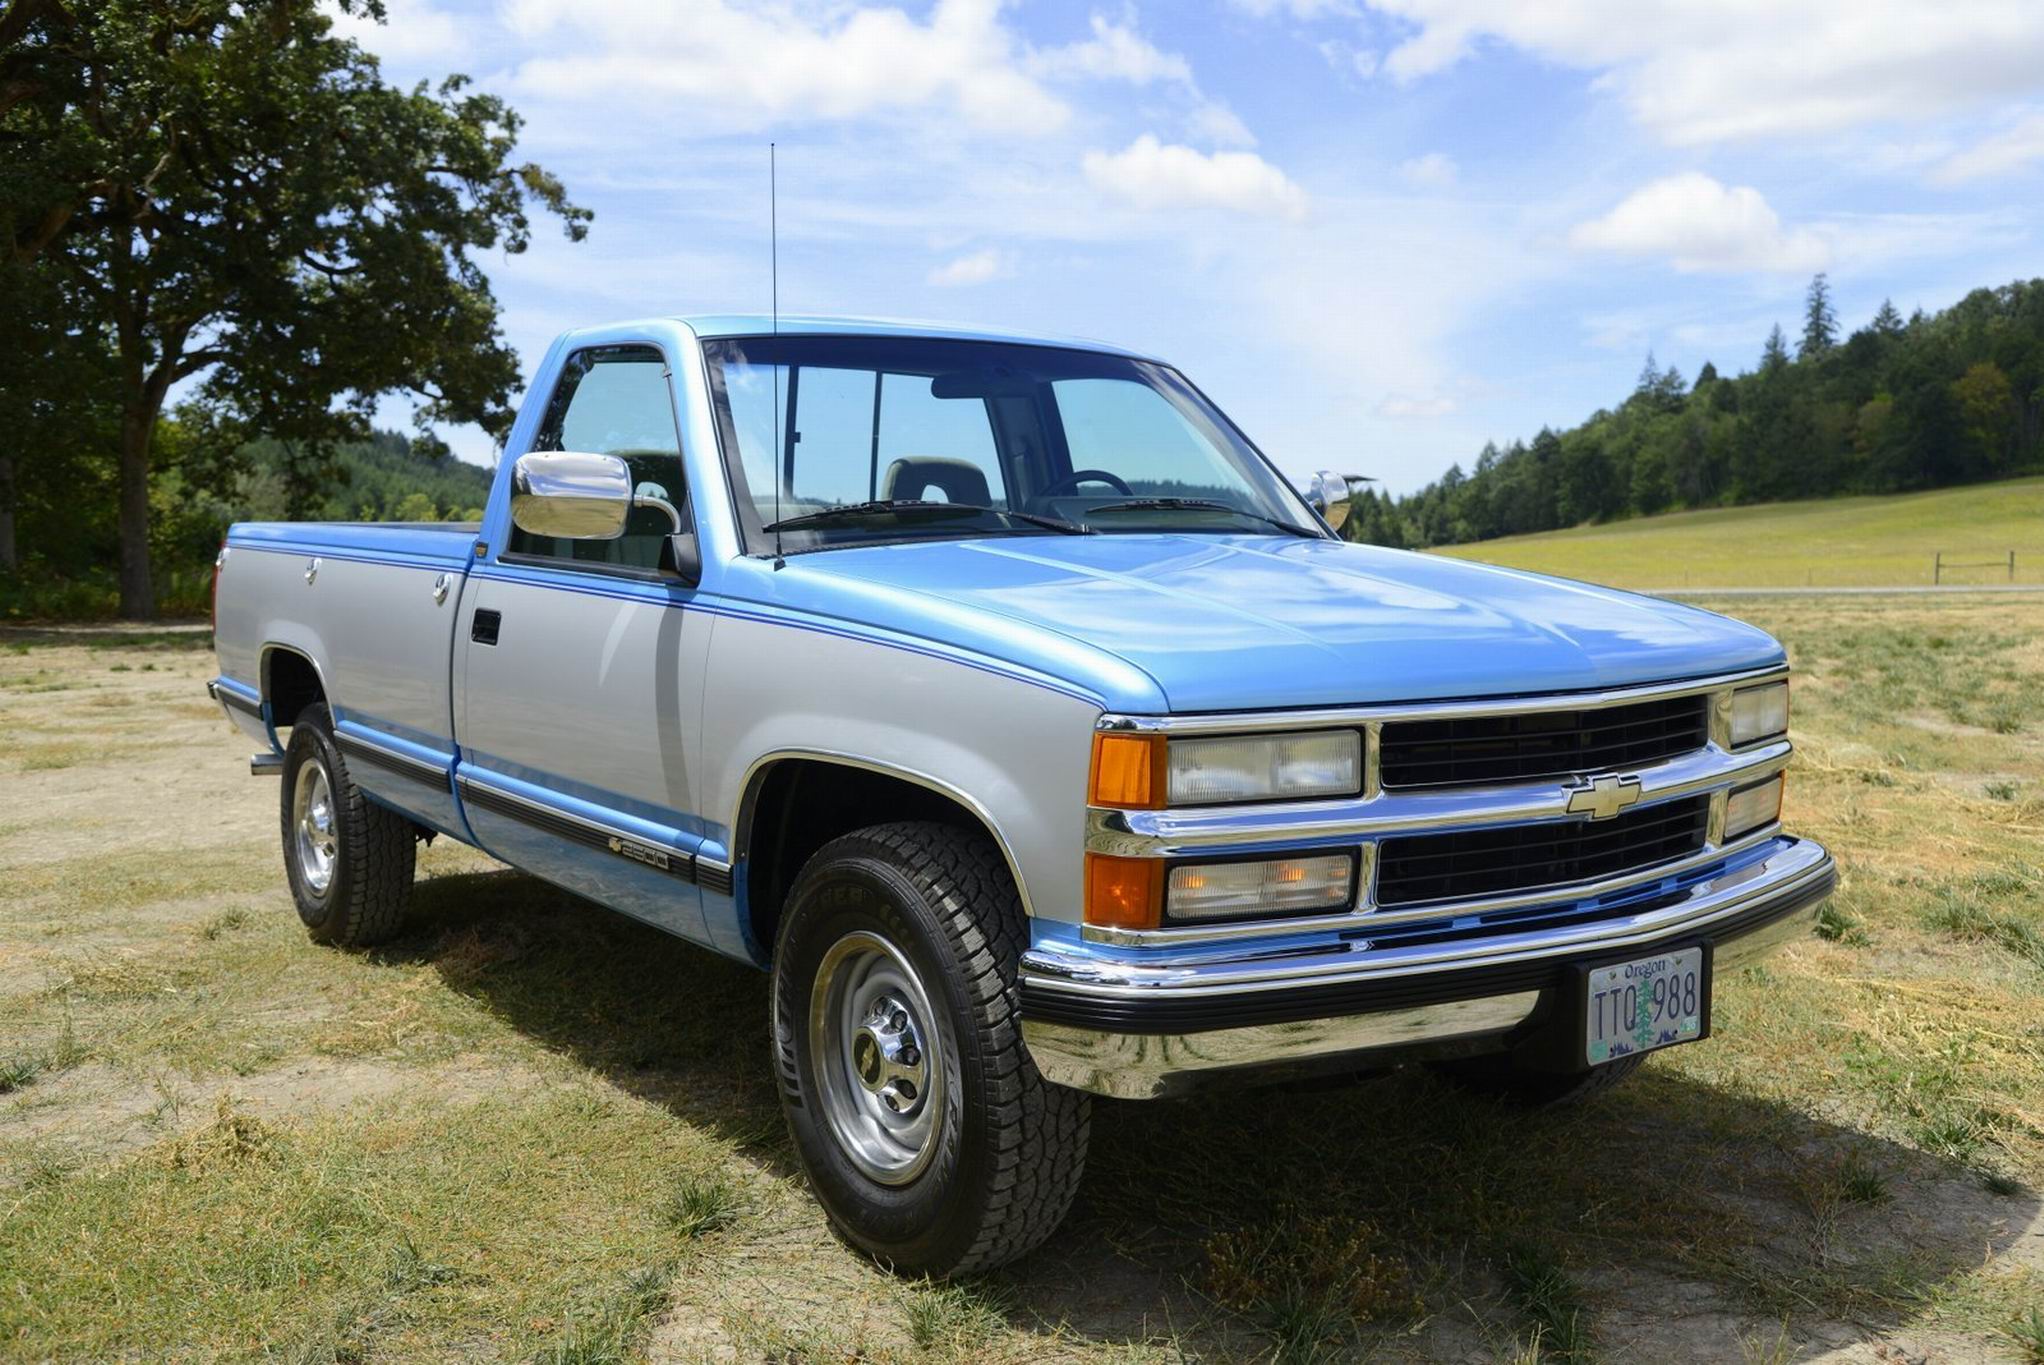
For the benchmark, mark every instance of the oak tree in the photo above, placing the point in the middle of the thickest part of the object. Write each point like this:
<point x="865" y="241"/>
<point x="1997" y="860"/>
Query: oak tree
<point x="228" y="196"/>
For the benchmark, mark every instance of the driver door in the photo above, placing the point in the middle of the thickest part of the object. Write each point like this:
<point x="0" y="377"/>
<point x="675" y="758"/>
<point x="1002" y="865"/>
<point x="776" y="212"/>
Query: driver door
<point x="581" y="671"/>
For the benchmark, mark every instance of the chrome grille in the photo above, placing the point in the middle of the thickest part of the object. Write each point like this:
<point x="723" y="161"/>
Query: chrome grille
<point x="1472" y="750"/>
<point x="1414" y="869"/>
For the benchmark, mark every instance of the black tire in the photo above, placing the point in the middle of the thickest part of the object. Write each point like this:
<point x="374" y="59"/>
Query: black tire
<point x="1008" y="1147"/>
<point x="1502" y="1077"/>
<point x="372" y="849"/>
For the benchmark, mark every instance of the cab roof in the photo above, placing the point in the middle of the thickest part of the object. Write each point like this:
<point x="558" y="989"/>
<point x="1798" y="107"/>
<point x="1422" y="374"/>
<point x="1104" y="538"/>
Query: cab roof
<point x="760" y="324"/>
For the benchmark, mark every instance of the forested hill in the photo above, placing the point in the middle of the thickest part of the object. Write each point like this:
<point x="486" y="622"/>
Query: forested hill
<point x="66" y="509"/>
<point x="1945" y="398"/>
<point x="385" y="478"/>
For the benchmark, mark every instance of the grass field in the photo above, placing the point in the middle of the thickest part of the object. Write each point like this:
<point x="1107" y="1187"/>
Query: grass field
<point x="1835" y="542"/>
<point x="531" y="1130"/>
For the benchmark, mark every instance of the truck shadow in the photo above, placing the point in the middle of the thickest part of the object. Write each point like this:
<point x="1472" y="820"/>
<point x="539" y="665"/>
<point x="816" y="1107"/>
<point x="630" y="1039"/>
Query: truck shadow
<point x="1689" y="1220"/>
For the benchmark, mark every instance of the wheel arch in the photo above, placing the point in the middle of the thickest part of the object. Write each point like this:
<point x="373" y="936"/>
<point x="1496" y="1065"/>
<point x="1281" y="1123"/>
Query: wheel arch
<point x="868" y="792"/>
<point x="291" y="680"/>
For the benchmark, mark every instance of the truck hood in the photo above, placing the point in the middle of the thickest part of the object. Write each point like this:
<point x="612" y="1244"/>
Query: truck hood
<point x="1251" y="622"/>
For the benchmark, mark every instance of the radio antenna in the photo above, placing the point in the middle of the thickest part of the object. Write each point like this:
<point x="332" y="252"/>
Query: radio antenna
<point x="774" y="288"/>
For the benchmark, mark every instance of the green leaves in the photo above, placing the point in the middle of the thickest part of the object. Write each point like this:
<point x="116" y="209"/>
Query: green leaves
<point x="230" y="192"/>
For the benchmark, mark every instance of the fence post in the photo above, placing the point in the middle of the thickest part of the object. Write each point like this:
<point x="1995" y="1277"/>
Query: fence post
<point x="2012" y="566"/>
<point x="1937" y="568"/>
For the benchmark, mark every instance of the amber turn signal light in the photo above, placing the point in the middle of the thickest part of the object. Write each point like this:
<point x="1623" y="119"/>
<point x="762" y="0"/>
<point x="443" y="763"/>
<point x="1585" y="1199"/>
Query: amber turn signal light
<point x="1128" y="771"/>
<point x="1124" y="893"/>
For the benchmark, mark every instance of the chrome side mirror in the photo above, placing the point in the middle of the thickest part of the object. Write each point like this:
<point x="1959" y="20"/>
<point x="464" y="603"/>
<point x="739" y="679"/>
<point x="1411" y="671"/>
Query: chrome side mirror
<point x="1328" y="494"/>
<point x="571" y="495"/>
<point x="578" y="496"/>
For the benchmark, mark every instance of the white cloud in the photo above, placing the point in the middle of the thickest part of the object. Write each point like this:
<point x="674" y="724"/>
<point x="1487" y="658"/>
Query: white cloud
<point x="1215" y="122"/>
<point x="2011" y="149"/>
<point x="1114" y="52"/>
<point x="1435" y="169"/>
<point x="413" y="31"/>
<point x="1297" y="9"/>
<point x="1347" y="59"/>
<point x="1699" y="224"/>
<point x="1704" y="73"/>
<point x="739" y="65"/>
<point x="1616" y="331"/>
<point x="978" y="267"/>
<point x="1402" y="407"/>
<point x="1154" y="175"/>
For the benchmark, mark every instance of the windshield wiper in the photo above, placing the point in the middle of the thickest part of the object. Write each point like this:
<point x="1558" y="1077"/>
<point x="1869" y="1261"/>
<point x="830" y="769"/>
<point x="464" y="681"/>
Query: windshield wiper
<point x="920" y="506"/>
<point x="1203" y="505"/>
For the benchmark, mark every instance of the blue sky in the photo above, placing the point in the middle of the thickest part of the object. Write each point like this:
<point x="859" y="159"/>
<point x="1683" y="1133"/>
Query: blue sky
<point x="1378" y="232"/>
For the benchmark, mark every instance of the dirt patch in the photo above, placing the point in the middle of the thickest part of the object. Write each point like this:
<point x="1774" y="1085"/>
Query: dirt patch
<point x="94" y="1112"/>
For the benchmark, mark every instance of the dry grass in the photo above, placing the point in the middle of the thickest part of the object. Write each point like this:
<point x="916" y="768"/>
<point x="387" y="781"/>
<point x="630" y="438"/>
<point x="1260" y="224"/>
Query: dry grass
<point x="531" y="1130"/>
<point x="1887" y="541"/>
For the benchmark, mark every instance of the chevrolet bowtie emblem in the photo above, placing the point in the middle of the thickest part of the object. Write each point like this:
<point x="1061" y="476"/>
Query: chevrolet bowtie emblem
<point x="1602" y="796"/>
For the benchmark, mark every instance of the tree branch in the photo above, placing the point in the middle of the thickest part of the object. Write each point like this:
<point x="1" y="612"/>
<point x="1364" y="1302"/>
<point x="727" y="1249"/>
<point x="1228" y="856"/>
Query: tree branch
<point x="194" y="361"/>
<point x="332" y="272"/>
<point x="28" y="248"/>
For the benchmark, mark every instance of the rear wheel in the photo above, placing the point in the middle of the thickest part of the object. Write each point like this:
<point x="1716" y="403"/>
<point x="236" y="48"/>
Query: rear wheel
<point x="1505" y="1078"/>
<point x="349" y="860"/>
<point x="920" y="1120"/>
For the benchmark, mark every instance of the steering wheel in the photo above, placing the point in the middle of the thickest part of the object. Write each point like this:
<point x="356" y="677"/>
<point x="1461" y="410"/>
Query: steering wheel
<point x="1070" y="483"/>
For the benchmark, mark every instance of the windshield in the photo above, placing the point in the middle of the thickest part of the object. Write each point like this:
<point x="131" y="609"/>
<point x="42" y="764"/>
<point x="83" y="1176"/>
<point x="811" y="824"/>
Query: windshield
<point x="848" y="440"/>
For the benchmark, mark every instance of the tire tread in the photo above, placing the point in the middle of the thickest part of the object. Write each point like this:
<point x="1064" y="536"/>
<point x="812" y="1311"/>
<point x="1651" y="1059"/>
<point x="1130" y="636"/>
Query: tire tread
<point x="1040" y="1129"/>
<point x="378" y="851"/>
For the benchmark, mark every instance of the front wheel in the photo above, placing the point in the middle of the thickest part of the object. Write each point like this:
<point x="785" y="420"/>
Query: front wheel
<point x="349" y="860"/>
<point x="920" y="1120"/>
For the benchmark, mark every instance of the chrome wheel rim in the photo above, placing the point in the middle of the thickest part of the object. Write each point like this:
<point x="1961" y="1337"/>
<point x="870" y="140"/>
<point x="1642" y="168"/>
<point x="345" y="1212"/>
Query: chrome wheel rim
<point x="879" y="1058"/>
<point x="314" y="838"/>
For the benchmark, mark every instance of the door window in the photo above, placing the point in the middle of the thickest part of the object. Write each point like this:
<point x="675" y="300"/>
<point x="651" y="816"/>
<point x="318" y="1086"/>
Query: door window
<point x="614" y="400"/>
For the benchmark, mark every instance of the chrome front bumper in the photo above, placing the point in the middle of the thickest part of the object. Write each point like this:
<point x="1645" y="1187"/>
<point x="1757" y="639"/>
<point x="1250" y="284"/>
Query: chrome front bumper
<point x="1140" y="1029"/>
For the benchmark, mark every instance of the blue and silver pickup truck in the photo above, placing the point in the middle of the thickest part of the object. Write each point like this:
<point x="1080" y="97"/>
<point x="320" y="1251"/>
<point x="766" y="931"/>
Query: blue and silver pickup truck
<point x="1002" y="699"/>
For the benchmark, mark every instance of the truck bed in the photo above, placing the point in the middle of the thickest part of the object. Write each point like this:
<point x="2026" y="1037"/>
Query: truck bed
<point x="369" y="608"/>
<point x="440" y="542"/>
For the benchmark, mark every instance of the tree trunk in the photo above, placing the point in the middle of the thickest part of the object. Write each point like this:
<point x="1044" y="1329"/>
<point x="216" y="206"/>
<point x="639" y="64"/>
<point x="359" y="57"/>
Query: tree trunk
<point x="138" y="594"/>
<point x="10" y="553"/>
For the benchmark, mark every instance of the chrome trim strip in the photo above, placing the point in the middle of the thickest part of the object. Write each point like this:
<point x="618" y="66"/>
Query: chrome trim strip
<point x="390" y="760"/>
<point x="1720" y="721"/>
<point x="1364" y="917"/>
<point x="1067" y="968"/>
<point x="591" y="833"/>
<point x="1373" y="760"/>
<point x="713" y="875"/>
<point x="228" y="697"/>
<point x="1219" y="722"/>
<point x="1133" y="1066"/>
<point x="1190" y="830"/>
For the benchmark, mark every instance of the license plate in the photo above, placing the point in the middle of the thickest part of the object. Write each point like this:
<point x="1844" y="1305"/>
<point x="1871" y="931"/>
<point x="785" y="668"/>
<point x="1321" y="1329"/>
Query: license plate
<point x="1638" y="1006"/>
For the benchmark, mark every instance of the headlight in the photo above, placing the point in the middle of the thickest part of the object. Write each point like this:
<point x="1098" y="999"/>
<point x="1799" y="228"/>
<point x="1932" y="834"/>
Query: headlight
<point x="1283" y="767"/>
<point x="1759" y="713"/>
<point x="1751" y="807"/>
<point x="1283" y="886"/>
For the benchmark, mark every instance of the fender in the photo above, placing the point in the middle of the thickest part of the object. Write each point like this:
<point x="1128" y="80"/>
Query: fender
<point x="755" y="779"/>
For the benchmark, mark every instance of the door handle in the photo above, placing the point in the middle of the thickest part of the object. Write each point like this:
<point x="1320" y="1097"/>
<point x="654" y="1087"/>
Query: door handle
<point x="440" y="587"/>
<point x="483" y="629"/>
